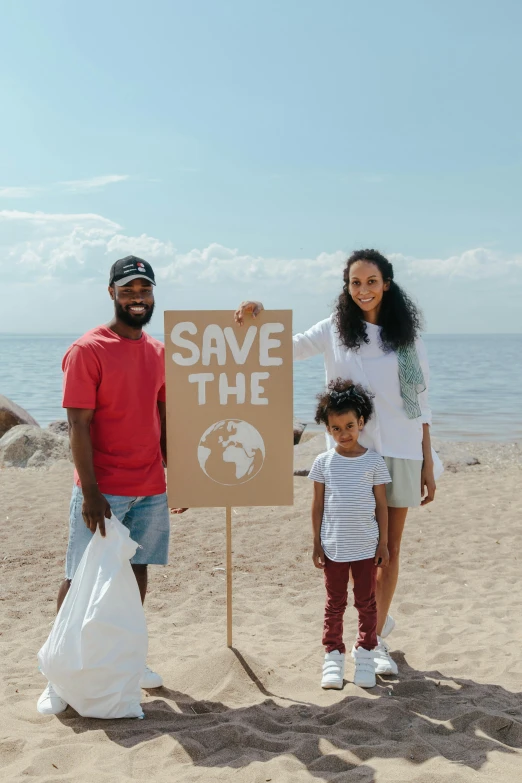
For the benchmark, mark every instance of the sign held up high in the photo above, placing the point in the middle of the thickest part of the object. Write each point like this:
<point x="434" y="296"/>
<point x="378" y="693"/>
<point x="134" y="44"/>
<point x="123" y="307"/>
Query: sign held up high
<point x="229" y="409"/>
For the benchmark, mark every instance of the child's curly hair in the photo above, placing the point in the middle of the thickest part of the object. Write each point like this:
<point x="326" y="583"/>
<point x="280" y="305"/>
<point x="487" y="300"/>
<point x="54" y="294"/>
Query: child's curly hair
<point x="343" y="396"/>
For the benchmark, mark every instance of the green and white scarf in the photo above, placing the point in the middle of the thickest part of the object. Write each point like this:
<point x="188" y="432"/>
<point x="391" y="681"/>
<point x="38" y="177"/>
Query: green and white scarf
<point x="411" y="379"/>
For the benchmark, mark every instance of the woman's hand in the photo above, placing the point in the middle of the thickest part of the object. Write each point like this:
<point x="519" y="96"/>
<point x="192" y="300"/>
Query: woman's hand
<point x="428" y="485"/>
<point x="247" y="308"/>
<point x="178" y="510"/>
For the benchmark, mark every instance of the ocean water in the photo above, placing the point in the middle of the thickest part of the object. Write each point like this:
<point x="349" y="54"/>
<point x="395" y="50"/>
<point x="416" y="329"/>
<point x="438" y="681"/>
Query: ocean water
<point x="475" y="384"/>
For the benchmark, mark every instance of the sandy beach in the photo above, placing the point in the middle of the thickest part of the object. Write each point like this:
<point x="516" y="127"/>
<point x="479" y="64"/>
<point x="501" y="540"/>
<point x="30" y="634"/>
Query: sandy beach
<point x="257" y="713"/>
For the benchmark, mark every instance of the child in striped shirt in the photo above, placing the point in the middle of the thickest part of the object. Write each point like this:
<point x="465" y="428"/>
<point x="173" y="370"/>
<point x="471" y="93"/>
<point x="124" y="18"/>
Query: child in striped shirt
<point x="350" y="528"/>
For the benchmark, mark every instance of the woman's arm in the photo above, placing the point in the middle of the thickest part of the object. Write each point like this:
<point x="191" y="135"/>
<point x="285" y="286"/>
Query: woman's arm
<point x="382" y="557"/>
<point x="428" y="485"/>
<point x="309" y="343"/>
<point x="317" y="520"/>
<point x="313" y="341"/>
<point x="424" y="395"/>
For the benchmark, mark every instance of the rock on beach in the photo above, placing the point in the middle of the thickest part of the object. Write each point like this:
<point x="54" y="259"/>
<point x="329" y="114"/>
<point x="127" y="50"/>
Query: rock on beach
<point x="60" y="427"/>
<point x="299" y="428"/>
<point x="29" y="446"/>
<point x="12" y="414"/>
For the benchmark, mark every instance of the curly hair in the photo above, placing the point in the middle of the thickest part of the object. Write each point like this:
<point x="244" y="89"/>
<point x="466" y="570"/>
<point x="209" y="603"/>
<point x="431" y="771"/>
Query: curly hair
<point x="343" y="396"/>
<point x="399" y="318"/>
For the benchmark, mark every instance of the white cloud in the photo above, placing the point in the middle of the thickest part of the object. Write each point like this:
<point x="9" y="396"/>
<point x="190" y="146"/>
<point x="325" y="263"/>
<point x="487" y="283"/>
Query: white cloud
<point x="40" y="245"/>
<point x="217" y="264"/>
<point x="69" y="186"/>
<point x="41" y="249"/>
<point x="94" y="183"/>
<point x="48" y="241"/>
<point x="64" y="219"/>
<point x="145" y="246"/>
<point x="19" y="192"/>
<point x="478" y="263"/>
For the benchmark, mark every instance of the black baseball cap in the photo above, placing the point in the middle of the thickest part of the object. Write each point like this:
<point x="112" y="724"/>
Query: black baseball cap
<point x="130" y="268"/>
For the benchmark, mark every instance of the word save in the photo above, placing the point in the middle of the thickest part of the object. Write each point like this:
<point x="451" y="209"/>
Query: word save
<point x="218" y="345"/>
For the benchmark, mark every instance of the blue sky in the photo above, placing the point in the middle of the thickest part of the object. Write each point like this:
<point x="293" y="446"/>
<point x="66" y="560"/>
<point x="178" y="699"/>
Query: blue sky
<point x="244" y="148"/>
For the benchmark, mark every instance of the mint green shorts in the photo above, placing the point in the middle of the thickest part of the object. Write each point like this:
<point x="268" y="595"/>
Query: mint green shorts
<point x="405" y="488"/>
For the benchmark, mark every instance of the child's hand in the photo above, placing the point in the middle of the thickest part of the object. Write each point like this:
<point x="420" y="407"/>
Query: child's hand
<point x="318" y="556"/>
<point x="382" y="556"/>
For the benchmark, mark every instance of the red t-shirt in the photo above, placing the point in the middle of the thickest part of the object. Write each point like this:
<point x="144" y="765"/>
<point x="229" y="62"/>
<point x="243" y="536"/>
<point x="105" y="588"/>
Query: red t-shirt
<point x="122" y="381"/>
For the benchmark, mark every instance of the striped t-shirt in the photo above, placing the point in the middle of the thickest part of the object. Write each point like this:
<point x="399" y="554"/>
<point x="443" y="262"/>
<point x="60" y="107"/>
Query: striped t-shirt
<point x="349" y="530"/>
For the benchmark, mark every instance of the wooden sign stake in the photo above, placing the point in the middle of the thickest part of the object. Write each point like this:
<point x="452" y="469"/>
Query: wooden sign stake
<point x="229" y="577"/>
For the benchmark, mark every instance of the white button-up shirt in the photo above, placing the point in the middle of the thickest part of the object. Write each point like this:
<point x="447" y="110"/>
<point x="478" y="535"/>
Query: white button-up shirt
<point x="389" y="431"/>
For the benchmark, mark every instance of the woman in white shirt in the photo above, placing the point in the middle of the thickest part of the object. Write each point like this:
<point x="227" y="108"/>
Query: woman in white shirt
<point x="373" y="338"/>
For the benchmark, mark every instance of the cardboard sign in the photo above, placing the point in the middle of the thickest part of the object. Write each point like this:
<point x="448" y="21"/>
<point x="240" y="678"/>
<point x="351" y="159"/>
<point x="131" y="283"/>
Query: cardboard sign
<point x="229" y="409"/>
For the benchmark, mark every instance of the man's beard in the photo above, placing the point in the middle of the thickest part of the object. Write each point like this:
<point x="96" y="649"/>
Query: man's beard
<point x="129" y="319"/>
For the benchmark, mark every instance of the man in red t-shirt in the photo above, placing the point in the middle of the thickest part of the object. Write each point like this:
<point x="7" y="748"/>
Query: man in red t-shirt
<point x="114" y="393"/>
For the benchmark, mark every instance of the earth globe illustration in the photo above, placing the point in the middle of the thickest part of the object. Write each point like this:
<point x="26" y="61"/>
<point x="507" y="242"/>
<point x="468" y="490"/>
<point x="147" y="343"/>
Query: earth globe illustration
<point x="231" y="452"/>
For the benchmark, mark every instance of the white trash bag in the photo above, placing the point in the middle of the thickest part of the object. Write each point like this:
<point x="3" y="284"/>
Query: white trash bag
<point x="97" y="649"/>
<point x="438" y="467"/>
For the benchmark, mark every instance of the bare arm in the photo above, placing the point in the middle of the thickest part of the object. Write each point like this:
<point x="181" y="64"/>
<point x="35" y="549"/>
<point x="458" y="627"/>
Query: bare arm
<point x="428" y="485"/>
<point x="317" y="521"/>
<point x="382" y="557"/>
<point x="162" y="409"/>
<point x="95" y="507"/>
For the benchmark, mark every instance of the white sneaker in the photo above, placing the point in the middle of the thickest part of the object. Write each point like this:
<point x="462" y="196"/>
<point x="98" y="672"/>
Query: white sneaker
<point x="384" y="663"/>
<point x="333" y="670"/>
<point x="50" y="703"/>
<point x="150" y="679"/>
<point x="364" y="675"/>
<point x="388" y="626"/>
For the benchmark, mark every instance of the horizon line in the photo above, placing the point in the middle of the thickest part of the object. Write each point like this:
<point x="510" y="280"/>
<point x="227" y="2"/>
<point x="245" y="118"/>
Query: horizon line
<point x="161" y="334"/>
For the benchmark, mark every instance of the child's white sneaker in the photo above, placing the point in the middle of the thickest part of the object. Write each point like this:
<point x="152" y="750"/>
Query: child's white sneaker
<point x="333" y="670"/>
<point x="388" y="626"/>
<point x="384" y="663"/>
<point x="364" y="675"/>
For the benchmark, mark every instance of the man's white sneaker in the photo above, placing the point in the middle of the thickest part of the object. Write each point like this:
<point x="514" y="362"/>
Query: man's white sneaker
<point x="384" y="663"/>
<point x="364" y="675"/>
<point x="50" y="703"/>
<point x="388" y="626"/>
<point x="150" y="679"/>
<point x="333" y="670"/>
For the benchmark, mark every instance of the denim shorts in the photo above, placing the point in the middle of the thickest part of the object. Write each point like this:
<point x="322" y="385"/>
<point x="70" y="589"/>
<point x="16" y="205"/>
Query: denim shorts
<point x="146" y="517"/>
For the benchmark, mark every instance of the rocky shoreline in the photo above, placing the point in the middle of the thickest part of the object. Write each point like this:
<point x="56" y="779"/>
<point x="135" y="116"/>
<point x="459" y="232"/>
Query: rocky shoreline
<point x="24" y="444"/>
<point x="456" y="456"/>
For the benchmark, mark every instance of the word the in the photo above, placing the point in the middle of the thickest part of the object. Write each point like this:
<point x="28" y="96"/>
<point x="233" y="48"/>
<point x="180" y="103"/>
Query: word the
<point x="225" y="391"/>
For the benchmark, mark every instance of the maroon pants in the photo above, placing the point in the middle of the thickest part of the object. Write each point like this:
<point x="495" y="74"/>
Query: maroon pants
<point x="336" y="580"/>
